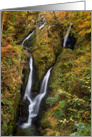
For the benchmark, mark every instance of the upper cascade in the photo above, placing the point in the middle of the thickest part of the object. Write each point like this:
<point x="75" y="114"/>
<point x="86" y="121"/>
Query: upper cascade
<point x="42" y="25"/>
<point x="33" y="33"/>
<point x="66" y="36"/>
<point x="28" y="37"/>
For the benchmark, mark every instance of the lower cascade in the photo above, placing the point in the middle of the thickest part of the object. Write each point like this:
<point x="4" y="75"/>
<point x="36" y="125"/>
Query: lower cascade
<point x="35" y="103"/>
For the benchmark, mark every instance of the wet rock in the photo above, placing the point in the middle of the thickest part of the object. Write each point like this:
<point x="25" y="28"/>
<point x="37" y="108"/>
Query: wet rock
<point x="24" y="111"/>
<point x="30" y="131"/>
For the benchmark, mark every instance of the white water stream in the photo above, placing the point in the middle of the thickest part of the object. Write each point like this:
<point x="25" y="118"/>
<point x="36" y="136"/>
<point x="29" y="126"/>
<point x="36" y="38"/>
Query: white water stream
<point x="42" y="25"/>
<point x="28" y="37"/>
<point x="66" y="36"/>
<point x="33" y="33"/>
<point x="29" y="83"/>
<point x="35" y="103"/>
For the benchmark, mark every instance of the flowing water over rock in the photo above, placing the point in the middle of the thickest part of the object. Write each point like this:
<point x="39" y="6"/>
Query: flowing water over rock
<point x="42" y="25"/>
<point x="29" y="84"/>
<point x="35" y="103"/>
<point x="28" y="37"/>
<point x="69" y="39"/>
<point x="32" y="33"/>
<point x="66" y="36"/>
<point x="28" y="128"/>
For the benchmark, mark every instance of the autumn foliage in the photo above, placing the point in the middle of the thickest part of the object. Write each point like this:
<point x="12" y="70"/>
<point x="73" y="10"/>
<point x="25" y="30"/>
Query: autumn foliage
<point x="69" y="98"/>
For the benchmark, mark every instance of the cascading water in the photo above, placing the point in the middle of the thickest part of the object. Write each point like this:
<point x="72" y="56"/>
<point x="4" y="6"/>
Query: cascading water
<point x="29" y="83"/>
<point x="28" y="37"/>
<point x="33" y="33"/>
<point x="35" y="104"/>
<point x="42" y="25"/>
<point x="66" y="36"/>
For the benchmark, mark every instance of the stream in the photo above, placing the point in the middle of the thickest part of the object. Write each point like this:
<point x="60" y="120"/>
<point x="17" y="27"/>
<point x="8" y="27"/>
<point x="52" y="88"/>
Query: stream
<point x="32" y="103"/>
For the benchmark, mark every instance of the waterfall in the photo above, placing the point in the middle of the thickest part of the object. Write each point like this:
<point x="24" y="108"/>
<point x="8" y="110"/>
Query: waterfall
<point x="33" y="33"/>
<point x="35" y="104"/>
<point x="28" y="37"/>
<point x="29" y="83"/>
<point x="42" y="25"/>
<point x="66" y="36"/>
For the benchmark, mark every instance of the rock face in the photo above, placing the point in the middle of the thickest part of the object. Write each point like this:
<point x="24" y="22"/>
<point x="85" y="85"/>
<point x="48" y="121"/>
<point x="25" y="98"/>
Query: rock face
<point x="70" y="42"/>
<point x="23" y="111"/>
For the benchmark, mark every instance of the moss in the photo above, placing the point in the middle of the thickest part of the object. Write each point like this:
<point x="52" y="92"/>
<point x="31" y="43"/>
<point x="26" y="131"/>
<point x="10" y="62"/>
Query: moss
<point x="12" y="60"/>
<point x="45" y="53"/>
<point x="71" y="74"/>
